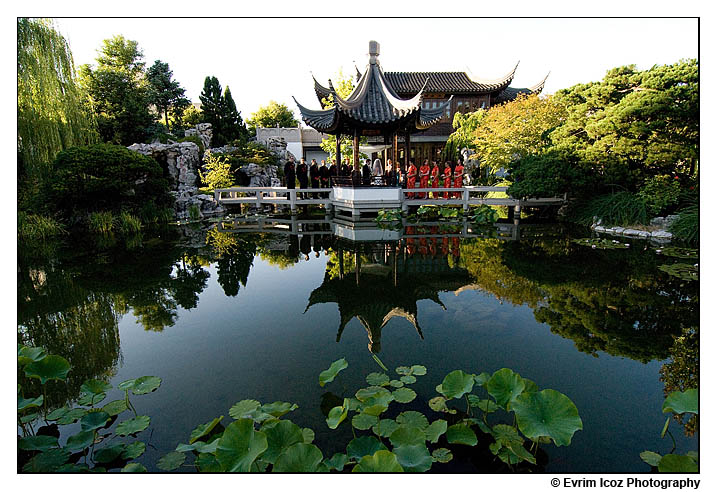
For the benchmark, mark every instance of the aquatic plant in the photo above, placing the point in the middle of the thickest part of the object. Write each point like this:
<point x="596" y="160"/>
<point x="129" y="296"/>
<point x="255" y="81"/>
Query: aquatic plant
<point x="101" y="222"/>
<point x="483" y="214"/>
<point x="96" y="447"/>
<point x="128" y="224"/>
<point x="687" y="226"/>
<point x="684" y="271"/>
<point x="33" y="227"/>
<point x="388" y="215"/>
<point x="601" y="243"/>
<point x="678" y="403"/>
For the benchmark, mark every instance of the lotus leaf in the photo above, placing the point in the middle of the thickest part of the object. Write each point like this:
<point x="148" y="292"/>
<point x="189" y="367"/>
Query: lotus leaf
<point x="126" y="385"/>
<point x="308" y="435"/>
<point x="438" y="404"/>
<point x="505" y="454"/>
<point x="379" y="362"/>
<point x="280" y="437"/>
<point x="133" y="450"/>
<point x="199" y="446"/>
<point x="418" y="370"/>
<point x="299" y="458"/>
<point x="29" y="417"/>
<point x="336" y="462"/>
<point x="442" y="455"/>
<point x="408" y="379"/>
<point x="651" y="458"/>
<point x="146" y="384"/>
<point x="115" y="407"/>
<point x="414" y="458"/>
<point x="95" y="386"/>
<point x="354" y="404"/>
<point x="81" y="440"/>
<point x="57" y="414"/>
<point x="203" y="429"/>
<point x="374" y="395"/>
<point x="486" y="406"/>
<point x="259" y="466"/>
<point x="682" y="402"/>
<point x="505" y="385"/>
<point x="461" y="434"/>
<point x="406" y="435"/>
<point x="377" y="379"/>
<point x="480" y="423"/>
<point x="363" y="421"/>
<point x="530" y="386"/>
<point x="27" y="355"/>
<point x="381" y="461"/>
<point x="404" y="395"/>
<point x="336" y="416"/>
<point x="133" y="425"/>
<point x="47" y="368"/>
<point x="47" y="461"/>
<point x="207" y="463"/>
<point x="435" y="430"/>
<point x="683" y="271"/>
<point x="108" y="454"/>
<point x="23" y="403"/>
<point x="279" y="408"/>
<point x="72" y="468"/>
<point x="171" y="461"/>
<point x="385" y="427"/>
<point x="134" y="468"/>
<point x="375" y="410"/>
<point x="521" y="452"/>
<point x="412" y="418"/>
<point x="94" y="420"/>
<point x="91" y="398"/>
<point x="665" y="427"/>
<point x="71" y="416"/>
<point x="363" y="446"/>
<point x="675" y="463"/>
<point x="403" y="370"/>
<point x="240" y="445"/>
<point x="244" y="409"/>
<point x="328" y="375"/>
<point x="37" y="443"/>
<point x="456" y="384"/>
<point x="677" y="252"/>
<point x="547" y="413"/>
<point x="505" y="434"/>
<point x="482" y="379"/>
<point x="600" y="243"/>
<point x="396" y="383"/>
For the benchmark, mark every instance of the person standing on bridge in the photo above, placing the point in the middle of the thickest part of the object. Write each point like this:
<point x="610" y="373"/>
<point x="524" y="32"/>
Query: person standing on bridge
<point x="302" y="176"/>
<point x="411" y="178"/>
<point x="366" y="173"/>
<point x="424" y="178"/>
<point x="333" y="172"/>
<point x="290" y="173"/>
<point x="314" y="175"/>
<point x="458" y="178"/>
<point x="447" y="178"/>
<point x="324" y="174"/>
<point x="345" y="170"/>
<point x="435" y="179"/>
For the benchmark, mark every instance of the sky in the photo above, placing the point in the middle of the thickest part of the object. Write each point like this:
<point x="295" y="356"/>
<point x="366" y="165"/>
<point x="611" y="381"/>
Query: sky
<point x="274" y="59"/>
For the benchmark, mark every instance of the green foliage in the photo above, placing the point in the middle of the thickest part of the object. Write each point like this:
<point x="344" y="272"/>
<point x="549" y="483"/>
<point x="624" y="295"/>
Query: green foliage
<point x="614" y="209"/>
<point x="106" y="178"/>
<point x="128" y="224"/>
<point x="101" y="222"/>
<point x="32" y="227"/>
<point x="484" y="214"/>
<point x="687" y="226"/>
<point x="328" y="375"/>
<point x="220" y="110"/>
<point x="272" y="115"/>
<point x="217" y="172"/>
<point x="661" y="194"/>
<point x="164" y="93"/>
<point x="195" y="140"/>
<point x="551" y="173"/>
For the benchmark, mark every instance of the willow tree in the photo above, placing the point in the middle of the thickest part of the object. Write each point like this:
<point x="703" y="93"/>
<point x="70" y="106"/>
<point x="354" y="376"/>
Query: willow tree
<point x="51" y="115"/>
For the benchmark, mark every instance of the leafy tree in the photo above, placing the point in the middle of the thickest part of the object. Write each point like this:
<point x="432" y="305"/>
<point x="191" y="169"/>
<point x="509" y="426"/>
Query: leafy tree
<point x="343" y="86"/>
<point x="221" y="111"/>
<point x="272" y="115"/>
<point x="218" y="172"/>
<point x="165" y="93"/>
<point x="51" y="110"/>
<point x="119" y="92"/>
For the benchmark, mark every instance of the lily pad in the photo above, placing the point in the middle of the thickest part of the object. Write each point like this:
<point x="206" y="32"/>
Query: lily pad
<point x="442" y="455"/>
<point x="146" y="384"/>
<point x="677" y="252"/>
<point x="374" y="410"/>
<point x="336" y="462"/>
<point x="435" y="430"/>
<point x="385" y="427"/>
<point x="47" y="461"/>
<point x="547" y="413"/>
<point x="505" y="385"/>
<point x="199" y="447"/>
<point x="281" y="436"/>
<point x="410" y="379"/>
<point x="23" y="403"/>
<point x="95" y="386"/>
<point x="336" y="416"/>
<point x="240" y="445"/>
<point x="133" y="425"/>
<point x="37" y="443"/>
<point x="328" y="375"/>
<point x="438" y="404"/>
<point x="203" y="429"/>
<point x="279" y="408"/>
<point x="395" y="383"/>
<point x="675" y="463"/>
<point x="57" y="414"/>
<point x="683" y="271"/>
<point x="71" y="416"/>
<point x="600" y="243"/>
<point x="207" y="463"/>
<point x="381" y="461"/>
<point x="363" y="421"/>
<point x="134" y="468"/>
<point x="91" y="398"/>
<point x="115" y="407"/>
<point x="418" y="370"/>
<point x="415" y="458"/>
<point x="363" y="446"/>
<point x="456" y="384"/>
<point x="108" y="454"/>
<point x="81" y="440"/>
<point x="651" y="458"/>
<point x="133" y="450"/>
<point x="377" y="379"/>
<point x="403" y="370"/>
<point x="171" y="461"/>
<point x="407" y="436"/>
<point x="244" y="409"/>
<point x="414" y="419"/>
<point x="482" y="379"/>
<point x="461" y="434"/>
<point x="682" y="402"/>
<point x="126" y="385"/>
<point x="299" y="458"/>
<point x="94" y="420"/>
<point x="48" y="368"/>
<point x="485" y="405"/>
<point x="404" y="395"/>
<point x="27" y="355"/>
<point x="308" y="435"/>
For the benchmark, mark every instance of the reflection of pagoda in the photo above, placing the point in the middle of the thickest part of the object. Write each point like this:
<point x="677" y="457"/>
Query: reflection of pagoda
<point x="387" y="289"/>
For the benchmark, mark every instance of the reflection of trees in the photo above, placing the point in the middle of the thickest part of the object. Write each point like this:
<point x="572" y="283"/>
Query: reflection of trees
<point x="235" y="256"/>
<point x="682" y="372"/>
<point x="190" y="279"/>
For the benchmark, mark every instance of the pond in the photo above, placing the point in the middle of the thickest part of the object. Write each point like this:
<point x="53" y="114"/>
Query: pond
<point x="233" y="312"/>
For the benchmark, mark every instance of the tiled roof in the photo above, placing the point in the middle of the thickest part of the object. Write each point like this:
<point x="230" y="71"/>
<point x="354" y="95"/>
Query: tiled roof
<point x="510" y="93"/>
<point x="447" y="82"/>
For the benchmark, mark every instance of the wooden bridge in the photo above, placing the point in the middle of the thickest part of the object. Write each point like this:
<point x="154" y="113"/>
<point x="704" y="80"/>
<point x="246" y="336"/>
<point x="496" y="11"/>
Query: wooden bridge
<point x="355" y="200"/>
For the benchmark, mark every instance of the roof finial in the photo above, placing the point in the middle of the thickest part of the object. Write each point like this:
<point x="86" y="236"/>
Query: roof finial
<point x="373" y="51"/>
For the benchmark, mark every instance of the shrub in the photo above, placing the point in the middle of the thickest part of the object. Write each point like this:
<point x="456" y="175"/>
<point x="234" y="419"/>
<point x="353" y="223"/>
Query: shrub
<point x="194" y="213"/>
<point x="686" y="226"/>
<point x="614" y="209"/>
<point x="128" y="223"/>
<point x="551" y="174"/>
<point x="101" y="222"/>
<point x="31" y="227"/>
<point x="105" y="178"/>
<point x="218" y="174"/>
<point x="661" y="194"/>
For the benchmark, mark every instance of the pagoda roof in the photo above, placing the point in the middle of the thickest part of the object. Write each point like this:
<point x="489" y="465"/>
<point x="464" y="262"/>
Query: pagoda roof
<point x="447" y="82"/>
<point x="510" y="93"/>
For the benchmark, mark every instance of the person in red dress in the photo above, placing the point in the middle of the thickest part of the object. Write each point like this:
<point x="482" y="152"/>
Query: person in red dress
<point x="424" y="178"/>
<point x="458" y="178"/>
<point x="410" y="247"/>
<point x="411" y="178"/>
<point x="435" y="179"/>
<point x="447" y="177"/>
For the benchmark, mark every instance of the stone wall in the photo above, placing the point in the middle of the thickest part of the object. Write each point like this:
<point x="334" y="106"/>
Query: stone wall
<point x="659" y="232"/>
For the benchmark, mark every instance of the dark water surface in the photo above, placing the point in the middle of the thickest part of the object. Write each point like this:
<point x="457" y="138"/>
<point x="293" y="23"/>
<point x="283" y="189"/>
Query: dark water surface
<point x="226" y="316"/>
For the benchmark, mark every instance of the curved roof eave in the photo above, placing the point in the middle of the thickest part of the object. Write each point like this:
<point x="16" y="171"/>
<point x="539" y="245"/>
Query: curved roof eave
<point x="497" y="84"/>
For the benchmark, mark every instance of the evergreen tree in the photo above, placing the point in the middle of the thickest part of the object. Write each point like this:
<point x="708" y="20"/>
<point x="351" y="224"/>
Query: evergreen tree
<point x="233" y="126"/>
<point x="211" y="99"/>
<point x="221" y="111"/>
<point x="165" y="93"/>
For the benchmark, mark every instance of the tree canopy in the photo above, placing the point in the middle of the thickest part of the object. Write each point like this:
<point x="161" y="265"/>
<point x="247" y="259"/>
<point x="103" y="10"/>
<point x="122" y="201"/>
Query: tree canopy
<point x="166" y="94"/>
<point x="221" y="111"/>
<point x="272" y="115"/>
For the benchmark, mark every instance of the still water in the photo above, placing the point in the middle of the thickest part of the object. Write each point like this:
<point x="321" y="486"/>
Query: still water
<point x="223" y="314"/>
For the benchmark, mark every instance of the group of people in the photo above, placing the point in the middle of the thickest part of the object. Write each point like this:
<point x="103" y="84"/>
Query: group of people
<point x="449" y="177"/>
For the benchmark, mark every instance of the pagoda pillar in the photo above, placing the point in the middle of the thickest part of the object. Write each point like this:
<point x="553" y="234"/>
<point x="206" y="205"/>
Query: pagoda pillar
<point x="338" y="151"/>
<point x="356" y="150"/>
<point x="407" y="150"/>
<point x="395" y="150"/>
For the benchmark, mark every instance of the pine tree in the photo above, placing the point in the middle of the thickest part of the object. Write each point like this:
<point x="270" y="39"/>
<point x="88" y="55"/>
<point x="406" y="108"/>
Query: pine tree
<point x="211" y="99"/>
<point x="233" y="127"/>
<point x="165" y="93"/>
